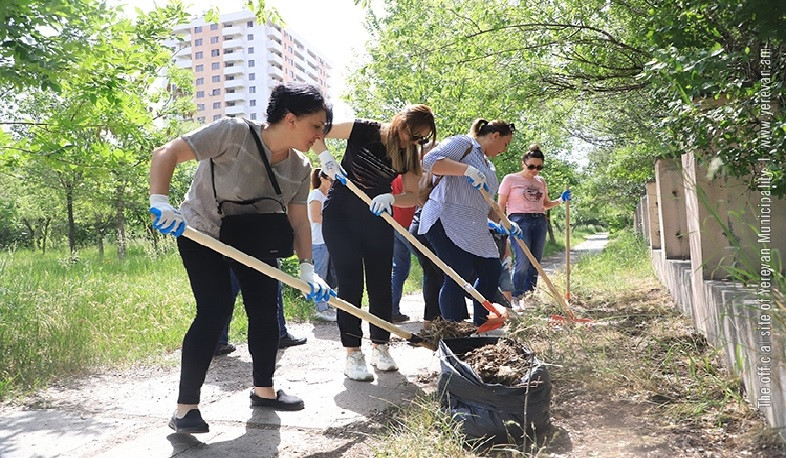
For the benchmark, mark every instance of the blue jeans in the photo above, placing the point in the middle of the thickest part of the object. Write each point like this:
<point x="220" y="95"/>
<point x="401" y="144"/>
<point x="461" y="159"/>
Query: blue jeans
<point x="402" y="261"/>
<point x="282" y="326"/>
<point x="469" y="267"/>
<point x="321" y="264"/>
<point x="533" y="227"/>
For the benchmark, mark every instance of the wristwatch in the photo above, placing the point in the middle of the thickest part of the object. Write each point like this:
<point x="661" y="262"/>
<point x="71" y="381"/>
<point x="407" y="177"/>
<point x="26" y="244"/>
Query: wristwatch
<point x="307" y="261"/>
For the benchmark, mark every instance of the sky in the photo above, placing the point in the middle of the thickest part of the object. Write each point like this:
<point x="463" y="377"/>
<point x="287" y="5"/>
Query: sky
<point x="332" y="27"/>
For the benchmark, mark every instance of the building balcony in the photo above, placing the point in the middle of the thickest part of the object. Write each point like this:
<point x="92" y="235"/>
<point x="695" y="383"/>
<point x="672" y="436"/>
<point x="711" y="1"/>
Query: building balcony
<point x="273" y="33"/>
<point x="232" y="31"/>
<point x="184" y="62"/>
<point x="182" y="29"/>
<point x="235" y="70"/>
<point x="235" y="97"/>
<point x="237" y="56"/>
<point x="274" y="46"/>
<point x="275" y="59"/>
<point x="239" y="109"/>
<point x="237" y="83"/>
<point x="276" y="72"/>
<point x="234" y="43"/>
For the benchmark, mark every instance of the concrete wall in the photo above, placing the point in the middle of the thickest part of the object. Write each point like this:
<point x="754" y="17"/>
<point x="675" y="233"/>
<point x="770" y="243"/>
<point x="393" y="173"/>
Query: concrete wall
<point x="700" y="222"/>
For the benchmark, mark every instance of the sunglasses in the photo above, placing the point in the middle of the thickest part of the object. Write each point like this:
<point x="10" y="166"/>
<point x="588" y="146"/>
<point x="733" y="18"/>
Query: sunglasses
<point x="420" y="139"/>
<point x="533" y="167"/>
<point x="512" y="127"/>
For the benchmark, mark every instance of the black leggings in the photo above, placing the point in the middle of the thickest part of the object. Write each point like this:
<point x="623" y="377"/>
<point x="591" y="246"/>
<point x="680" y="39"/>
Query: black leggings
<point x="208" y="272"/>
<point x="432" y="275"/>
<point x="357" y="240"/>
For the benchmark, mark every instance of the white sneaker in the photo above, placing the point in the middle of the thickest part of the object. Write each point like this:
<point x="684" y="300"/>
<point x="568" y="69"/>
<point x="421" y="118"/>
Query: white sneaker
<point x="516" y="305"/>
<point x="381" y="359"/>
<point x="326" y="315"/>
<point x="356" y="367"/>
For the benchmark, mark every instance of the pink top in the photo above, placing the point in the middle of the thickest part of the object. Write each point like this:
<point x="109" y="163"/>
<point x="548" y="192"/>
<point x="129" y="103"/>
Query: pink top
<point x="525" y="195"/>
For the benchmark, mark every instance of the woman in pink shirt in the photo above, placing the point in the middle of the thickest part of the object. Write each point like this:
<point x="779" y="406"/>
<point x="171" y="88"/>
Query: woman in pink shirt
<point x="524" y="198"/>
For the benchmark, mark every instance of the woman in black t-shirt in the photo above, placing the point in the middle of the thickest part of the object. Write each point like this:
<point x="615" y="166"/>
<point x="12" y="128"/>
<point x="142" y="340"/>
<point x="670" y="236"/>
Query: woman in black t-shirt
<point x="357" y="239"/>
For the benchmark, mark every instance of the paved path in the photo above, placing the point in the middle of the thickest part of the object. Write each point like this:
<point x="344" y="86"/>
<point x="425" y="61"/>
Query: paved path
<point x="125" y="413"/>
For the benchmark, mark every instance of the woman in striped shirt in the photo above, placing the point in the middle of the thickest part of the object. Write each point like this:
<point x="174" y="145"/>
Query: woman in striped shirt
<point x="455" y="218"/>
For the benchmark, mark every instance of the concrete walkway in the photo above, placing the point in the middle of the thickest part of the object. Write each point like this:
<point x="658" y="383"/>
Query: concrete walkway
<point x="125" y="413"/>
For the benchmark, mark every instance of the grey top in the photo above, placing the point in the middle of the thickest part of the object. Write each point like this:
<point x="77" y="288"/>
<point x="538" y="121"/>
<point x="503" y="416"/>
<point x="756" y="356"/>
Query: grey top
<point x="461" y="208"/>
<point x="239" y="175"/>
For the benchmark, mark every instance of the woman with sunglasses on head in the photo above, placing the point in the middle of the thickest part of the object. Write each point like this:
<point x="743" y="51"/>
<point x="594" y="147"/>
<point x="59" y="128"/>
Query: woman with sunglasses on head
<point x="359" y="241"/>
<point x="455" y="219"/>
<point x="524" y="197"/>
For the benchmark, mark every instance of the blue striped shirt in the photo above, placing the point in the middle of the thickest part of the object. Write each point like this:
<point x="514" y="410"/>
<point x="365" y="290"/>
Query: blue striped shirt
<point x="461" y="208"/>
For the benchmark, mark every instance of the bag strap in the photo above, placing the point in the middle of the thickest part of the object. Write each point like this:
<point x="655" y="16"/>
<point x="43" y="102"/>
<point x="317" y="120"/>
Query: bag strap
<point x="270" y="174"/>
<point x="466" y="153"/>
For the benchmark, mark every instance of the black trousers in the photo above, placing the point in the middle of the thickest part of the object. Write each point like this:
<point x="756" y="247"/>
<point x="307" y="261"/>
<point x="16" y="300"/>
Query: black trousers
<point x="359" y="243"/>
<point x="432" y="275"/>
<point x="208" y="272"/>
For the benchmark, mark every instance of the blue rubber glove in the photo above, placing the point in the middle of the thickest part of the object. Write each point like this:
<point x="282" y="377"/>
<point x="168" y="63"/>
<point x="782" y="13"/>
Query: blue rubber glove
<point x="514" y="231"/>
<point x="566" y="196"/>
<point x="168" y="219"/>
<point x="320" y="291"/>
<point x="498" y="228"/>
<point x="476" y="178"/>
<point x="382" y="203"/>
<point x="332" y="168"/>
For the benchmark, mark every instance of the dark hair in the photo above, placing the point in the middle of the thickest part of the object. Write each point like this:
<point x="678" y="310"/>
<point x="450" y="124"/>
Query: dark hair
<point x="300" y="99"/>
<point x="481" y="127"/>
<point x="316" y="177"/>
<point x="412" y="117"/>
<point x="533" y="151"/>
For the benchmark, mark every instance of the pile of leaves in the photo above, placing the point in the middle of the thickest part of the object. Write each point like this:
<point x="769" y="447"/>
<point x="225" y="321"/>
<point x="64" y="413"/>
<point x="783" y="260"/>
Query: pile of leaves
<point x="505" y="363"/>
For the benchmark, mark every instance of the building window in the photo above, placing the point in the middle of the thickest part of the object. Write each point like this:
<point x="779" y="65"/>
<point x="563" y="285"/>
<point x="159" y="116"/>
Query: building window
<point x="200" y="94"/>
<point x="213" y="40"/>
<point x="251" y="50"/>
<point x="215" y="53"/>
<point x="199" y="68"/>
<point x="250" y="24"/>
<point x="216" y="78"/>
<point x="229" y="78"/>
<point x="198" y="29"/>
<point x="252" y="76"/>
<point x="199" y="55"/>
<point x="216" y="91"/>
<point x="200" y="107"/>
<point x="250" y="36"/>
<point x="252" y="103"/>
<point x="198" y="42"/>
<point x="200" y="80"/>
<point x="213" y="26"/>
<point x="251" y="63"/>
<point x="215" y="65"/>
<point x="253" y="116"/>
<point x="252" y="89"/>
<point x="216" y="104"/>
<point x="216" y="117"/>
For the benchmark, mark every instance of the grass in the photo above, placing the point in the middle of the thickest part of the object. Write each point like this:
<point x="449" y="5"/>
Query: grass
<point x="640" y="348"/>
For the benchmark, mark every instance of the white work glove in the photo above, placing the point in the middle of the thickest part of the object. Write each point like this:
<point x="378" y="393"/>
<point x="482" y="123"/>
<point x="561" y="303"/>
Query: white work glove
<point x="168" y="219"/>
<point x="382" y="203"/>
<point x="476" y="178"/>
<point x="320" y="291"/>
<point x="332" y="168"/>
<point x="515" y="230"/>
<point x="566" y="196"/>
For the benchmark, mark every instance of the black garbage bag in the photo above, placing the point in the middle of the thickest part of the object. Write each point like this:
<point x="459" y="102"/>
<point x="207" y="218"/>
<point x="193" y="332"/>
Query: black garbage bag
<point x="491" y="411"/>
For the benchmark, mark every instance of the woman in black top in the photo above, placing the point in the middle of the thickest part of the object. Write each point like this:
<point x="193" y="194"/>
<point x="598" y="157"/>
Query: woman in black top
<point x="359" y="241"/>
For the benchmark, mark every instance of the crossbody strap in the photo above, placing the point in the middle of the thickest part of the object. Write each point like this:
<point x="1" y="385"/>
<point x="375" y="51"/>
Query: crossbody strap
<point x="270" y="174"/>
<point x="466" y="153"/>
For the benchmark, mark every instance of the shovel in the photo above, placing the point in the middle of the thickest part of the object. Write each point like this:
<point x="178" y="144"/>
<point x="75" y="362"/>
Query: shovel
<point x="506" y="222"/>
<point x="270" y="271"/>
<point x="497" y="314"/>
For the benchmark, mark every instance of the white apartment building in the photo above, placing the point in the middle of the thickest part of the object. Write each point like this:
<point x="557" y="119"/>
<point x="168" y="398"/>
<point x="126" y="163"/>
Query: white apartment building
<point x="238" y="61"/>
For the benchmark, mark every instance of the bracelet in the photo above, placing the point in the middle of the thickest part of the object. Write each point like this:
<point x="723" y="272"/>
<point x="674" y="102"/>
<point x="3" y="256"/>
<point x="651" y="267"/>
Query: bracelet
<point x="307" y="261"/>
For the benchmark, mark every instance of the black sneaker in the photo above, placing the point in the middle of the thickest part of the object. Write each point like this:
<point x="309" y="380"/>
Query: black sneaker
<point x="192" y="423"/>
<point x="283" y="401"/>
<point x="399" y="318"/>
<point x="224" y="349"/>
<point x="289" y="340"/>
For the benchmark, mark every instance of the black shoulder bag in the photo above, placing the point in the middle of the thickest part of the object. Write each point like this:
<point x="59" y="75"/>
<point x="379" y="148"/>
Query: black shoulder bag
<point x="261" y="235"/>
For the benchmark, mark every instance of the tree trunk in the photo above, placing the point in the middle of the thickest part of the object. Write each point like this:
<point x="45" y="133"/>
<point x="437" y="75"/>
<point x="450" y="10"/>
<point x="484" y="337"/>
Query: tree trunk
<point x="69" y="188"/>
<point x="45" y="233"/>
<point x="99" y="236"/>
<point x="552" y="240"/>
<point x="32" y="231"/>
<point x="120" y="223"/>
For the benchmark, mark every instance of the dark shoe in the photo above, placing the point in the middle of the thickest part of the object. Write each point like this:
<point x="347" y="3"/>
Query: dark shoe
<point x="399" y="318"/>
<point x="192" y="423"/>
<point x="289" y="340"/>
<point x="283" y="401"/>
<point x="224" y="349"/>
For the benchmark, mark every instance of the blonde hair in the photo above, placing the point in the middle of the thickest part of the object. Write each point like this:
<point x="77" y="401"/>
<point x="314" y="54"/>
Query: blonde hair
<point x="407" y="158"/>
